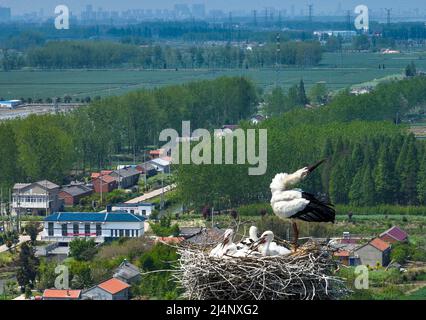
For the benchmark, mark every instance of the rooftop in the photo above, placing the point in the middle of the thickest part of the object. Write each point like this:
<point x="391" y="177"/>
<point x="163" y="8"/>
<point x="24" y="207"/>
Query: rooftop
<point x="379" y="244"/>
<point x="133" y="205"/>
<point x="61" y="294"/>
<point x="76" y="190"/>
<point x="396" y="233"/>
<point x="118" y="216"/>
<point x="113" y="285"/>
<point x="160" y="162"/>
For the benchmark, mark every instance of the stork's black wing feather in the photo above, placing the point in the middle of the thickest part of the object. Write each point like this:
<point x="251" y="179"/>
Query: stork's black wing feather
<point x="316" y="210"/>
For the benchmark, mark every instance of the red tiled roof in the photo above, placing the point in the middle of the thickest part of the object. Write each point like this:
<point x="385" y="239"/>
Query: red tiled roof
<point x="61" y="294"/>
<point x="95" y="175"/>
<point x="379" y="244"/>
<point x="342" y="253"/>
<point x="396" y="233"/>
<point x="171" y="240"/>
<point x="113" y="285"/>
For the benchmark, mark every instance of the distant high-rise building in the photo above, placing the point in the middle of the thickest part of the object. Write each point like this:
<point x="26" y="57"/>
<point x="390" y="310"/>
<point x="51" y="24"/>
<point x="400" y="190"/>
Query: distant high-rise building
<point x="182" y="10"/>
<point x="198" y="10"/>
<point x="5" y="14"/>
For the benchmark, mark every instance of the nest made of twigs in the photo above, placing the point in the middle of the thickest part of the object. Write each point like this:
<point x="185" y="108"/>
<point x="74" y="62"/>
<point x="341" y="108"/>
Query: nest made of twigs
<point x="307" y="274"/>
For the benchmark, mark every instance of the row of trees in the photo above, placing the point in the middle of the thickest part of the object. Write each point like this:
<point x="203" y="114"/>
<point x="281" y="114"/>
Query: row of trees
<point x="279" y="100"/>
<point x="369" y="161"/>
<point x="101" y="54"/>
<point x="49" y="146"/>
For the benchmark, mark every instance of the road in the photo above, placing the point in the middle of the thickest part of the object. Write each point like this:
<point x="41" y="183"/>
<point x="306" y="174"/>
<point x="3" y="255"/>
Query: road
<point x="22" y="239"/>
<point x="152" y="194"/>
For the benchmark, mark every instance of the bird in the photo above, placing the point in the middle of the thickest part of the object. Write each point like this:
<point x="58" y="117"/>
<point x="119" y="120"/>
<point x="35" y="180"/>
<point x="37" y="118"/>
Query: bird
<point x="288" y="203"/>
<point x="226" y="247"/>
<point x="266" y="249"/>
<point x="247" y="242"/>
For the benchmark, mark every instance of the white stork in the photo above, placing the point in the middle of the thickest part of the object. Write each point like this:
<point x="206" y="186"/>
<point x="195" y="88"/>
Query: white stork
<point x="296" y="204"/>
<point x="226" y="247"/>
<point x="268" y="248"/>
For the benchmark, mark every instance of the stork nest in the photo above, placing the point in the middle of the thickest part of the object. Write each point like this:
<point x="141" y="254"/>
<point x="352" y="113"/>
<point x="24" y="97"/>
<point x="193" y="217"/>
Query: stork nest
<point x="307" y="274"/>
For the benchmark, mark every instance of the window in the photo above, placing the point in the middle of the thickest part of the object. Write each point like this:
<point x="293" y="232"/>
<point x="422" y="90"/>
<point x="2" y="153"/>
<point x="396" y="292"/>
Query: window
<point x="99" y="229"/>
<point x="64" y="230"/>
<point x="50" y="229"/>
<point x="112" y="232"/>
<point x="133" y="233"/>
<point x="87" y="229"/>
<point x="144" y="212"/>
<point x="75" y="229"/>
<point x="115" y="233"/>
<point x="127" y="233"/>
<point x="132" y="211"/>
<point x="121" y="233"/>
<point x="137" y="233"/>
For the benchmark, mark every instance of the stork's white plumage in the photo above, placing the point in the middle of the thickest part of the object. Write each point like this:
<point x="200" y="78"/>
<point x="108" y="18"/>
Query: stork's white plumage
<point x="269" y="248"/>
<point x="226" y="247"/>
<point x="252" y="237"/>
<point x="296" y="204"/>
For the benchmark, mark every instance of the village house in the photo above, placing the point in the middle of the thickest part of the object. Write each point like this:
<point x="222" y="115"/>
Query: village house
<point x="57" y="294"/>
<point x="112" y="289"/>
<point x="374" y="252"/>
<point x="126" y="177"/>
<point x="141" y="208"/>
<point x="393" y="235"/>
<point x="127" y="272"/>
<point x="63" y="227"/>
<point x="38" y="198"/>
<point x="147" y="168"/>
<point x="154" y="154"/>
<point x="104" y="184"/>
<point x="73" y="193"/>
<point x="161" y="165"/>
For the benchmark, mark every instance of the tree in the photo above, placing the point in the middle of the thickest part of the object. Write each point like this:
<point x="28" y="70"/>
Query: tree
<point x="385" y="178"/>
<point x="32" y="230"/>
<point x="318" y="94"/>
<point x="421" y="180"/>
<point x="82" y="249"/>
<point x="11" y="238"/>
<point x="27" y="267"/>
<point x="303" y="99"/>
<point x="411" y="70"/>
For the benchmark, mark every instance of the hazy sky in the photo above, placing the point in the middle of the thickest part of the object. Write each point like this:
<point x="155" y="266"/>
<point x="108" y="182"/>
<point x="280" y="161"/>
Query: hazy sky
<point x="19" y="6"/>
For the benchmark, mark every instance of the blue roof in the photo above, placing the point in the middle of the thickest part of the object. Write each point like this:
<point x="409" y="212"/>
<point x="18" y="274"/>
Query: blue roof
<point x="132" y="205"/>
<point x="118" y="216"/>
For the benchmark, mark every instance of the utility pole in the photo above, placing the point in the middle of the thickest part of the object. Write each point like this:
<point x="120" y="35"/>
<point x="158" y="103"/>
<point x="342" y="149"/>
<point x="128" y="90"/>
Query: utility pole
<point x="277" y="58"/>
<point x="254" y="17"/>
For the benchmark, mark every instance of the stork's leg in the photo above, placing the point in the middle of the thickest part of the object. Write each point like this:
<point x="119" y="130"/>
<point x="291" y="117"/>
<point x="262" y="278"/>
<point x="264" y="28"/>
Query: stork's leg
<point x="295" y="236"/>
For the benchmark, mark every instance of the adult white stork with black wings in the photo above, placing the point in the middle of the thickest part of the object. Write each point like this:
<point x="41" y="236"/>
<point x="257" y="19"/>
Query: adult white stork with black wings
<point x="296" y="204"/>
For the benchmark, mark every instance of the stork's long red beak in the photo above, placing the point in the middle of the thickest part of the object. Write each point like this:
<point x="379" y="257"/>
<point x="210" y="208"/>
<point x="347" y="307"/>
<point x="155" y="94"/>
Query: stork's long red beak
<point x="316" y="165"/>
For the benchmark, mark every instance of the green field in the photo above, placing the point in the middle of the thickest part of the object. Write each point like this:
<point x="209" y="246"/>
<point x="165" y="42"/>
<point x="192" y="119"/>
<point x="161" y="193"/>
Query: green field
<point x="338" y="71"/>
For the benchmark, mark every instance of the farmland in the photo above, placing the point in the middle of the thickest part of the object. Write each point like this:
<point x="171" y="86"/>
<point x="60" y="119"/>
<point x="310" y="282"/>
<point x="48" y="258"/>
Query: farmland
<point x="337" y="70"/>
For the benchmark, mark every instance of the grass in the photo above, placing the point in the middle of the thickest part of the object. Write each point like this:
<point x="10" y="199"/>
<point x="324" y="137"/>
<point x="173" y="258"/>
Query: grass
<point x="338" y="71"/>
<point x="416" y="295"/>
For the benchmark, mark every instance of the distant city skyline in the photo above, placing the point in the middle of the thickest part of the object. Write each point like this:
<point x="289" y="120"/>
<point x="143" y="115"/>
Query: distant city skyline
<point x="331" y="6"/>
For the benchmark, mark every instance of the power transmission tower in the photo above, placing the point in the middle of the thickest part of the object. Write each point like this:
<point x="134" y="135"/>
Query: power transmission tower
<point x="255" y="17"/>
<point x="266" y="16"/>
<point x="388" y="16"/>
<point x="349" y="20"/>
<point x="311" y="12"/>
<point x="280" y="20"/>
